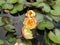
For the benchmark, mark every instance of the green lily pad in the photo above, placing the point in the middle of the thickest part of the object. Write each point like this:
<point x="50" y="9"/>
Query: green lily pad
<point x="7" y="6"/>
<point x="17" y="7"/>
<point x="9" y="28"/>
<point x="39" y="16"/>
<point x="57" y="2"/>
<point x="45" y="8"/>
<point x="57" y="33"/>
<point x="56" y="11"/>
<point x="55" y="18"/>
<point x="21" y="1"/>
<point x="1" y="42"/>
<point x="12" y="1"/>
<point x="39" y="0"/>
<point x="55" y="37"/>
<point x="45" y="24"/>
<point x="2" y="2"/>
<point x="1" y="22"/>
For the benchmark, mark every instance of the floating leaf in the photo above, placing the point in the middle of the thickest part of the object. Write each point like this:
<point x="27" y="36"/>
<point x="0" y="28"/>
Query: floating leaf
<point x="39" y="0"/>
<point x="6" y="20"/>
<point x="12" y="1"/>
<point x="11" y="39"/>
<point x="7" y="6"/>
<point x="13" y="11"/>
<point x="21" y="1"/>
<point x="2" y="2"/>
<point x="57" y="2"/>
<point x="55" y="18"/>
<point x="54" y="37"/>
<point x="9" y="28"/>
<point x="39" y="16"/>
<point x="56" y="11"/>
<point x="35" y="4"/>
<point x="45" y="8"/>
<point x="57" y="33"/>
<point x="1" y="22"/>
<point x="17" y="7"/>
<point x="47" y="41"/>
<point x="45" y="24"/>
<point x="1" y="42"/>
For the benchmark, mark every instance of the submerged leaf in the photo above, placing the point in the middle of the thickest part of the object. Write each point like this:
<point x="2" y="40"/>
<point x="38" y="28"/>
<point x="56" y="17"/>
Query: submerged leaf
<point x="9" y="28"/>
<point x="6" y="20"/>
<point x="1" y="22"/>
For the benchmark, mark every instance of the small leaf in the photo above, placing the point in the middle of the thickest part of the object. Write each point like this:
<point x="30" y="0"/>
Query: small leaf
<point x="1" y="42"/>
<point x="12" y="1"/>
<point x="1" y="22"/>
<point x="9" y="28"/>
<point x="7" y="6"/>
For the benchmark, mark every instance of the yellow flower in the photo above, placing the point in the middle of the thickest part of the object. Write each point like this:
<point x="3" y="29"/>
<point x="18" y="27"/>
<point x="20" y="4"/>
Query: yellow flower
<point x="30" y="13"/>
<point x="30" y="22"/>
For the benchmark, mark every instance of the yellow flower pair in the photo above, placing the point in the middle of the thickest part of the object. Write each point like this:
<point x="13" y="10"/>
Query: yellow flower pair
<point x="30" y="20"/>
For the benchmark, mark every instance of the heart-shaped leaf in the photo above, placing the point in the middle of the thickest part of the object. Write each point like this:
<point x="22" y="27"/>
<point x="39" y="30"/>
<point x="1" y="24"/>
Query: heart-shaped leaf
<point x="55" y="37"/>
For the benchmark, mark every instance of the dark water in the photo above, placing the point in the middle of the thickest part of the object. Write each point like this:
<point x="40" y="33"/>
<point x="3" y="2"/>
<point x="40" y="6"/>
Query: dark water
<point x="18" y="25"/>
